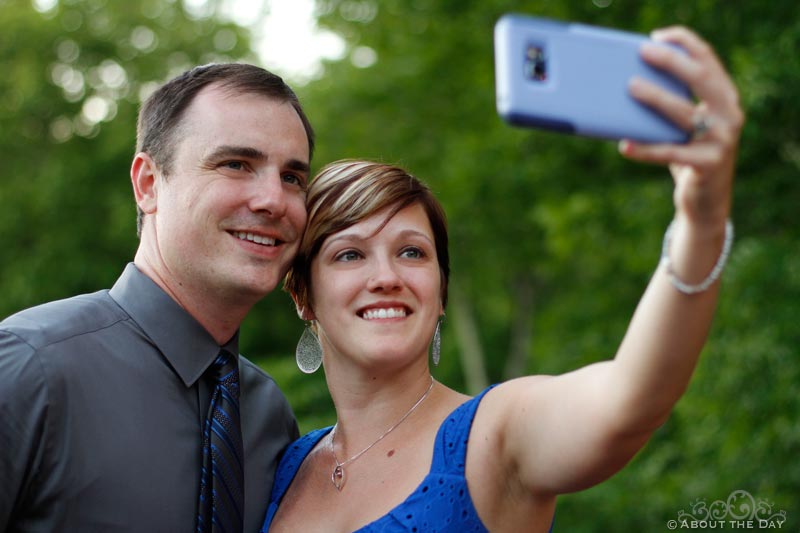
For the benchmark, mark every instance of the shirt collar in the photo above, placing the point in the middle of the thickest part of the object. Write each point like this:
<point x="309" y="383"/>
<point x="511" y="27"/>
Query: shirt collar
<point x="186" y="345"/>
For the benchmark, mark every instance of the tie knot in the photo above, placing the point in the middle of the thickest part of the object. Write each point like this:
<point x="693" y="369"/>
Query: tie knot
<point x="225" y="371"/>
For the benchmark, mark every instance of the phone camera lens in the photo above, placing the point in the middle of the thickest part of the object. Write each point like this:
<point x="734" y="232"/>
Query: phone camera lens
<point x="535" y="63"/>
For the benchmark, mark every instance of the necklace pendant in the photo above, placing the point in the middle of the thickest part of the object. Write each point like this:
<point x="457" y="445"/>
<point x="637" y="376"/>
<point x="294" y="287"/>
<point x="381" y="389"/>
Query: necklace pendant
<point x="337" y="477"/>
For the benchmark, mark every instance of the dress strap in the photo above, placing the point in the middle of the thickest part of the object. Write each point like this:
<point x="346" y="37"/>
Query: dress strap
<point x="288" y="467"/>
<point x="450" y="447"/>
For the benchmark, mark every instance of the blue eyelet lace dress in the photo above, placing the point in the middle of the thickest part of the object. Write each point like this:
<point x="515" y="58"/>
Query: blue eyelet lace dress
<point x="441" y="503"/>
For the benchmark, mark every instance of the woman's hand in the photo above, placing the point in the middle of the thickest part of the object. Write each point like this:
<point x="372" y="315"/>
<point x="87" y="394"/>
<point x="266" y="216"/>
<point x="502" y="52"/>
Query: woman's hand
<point x="703" y="168"/>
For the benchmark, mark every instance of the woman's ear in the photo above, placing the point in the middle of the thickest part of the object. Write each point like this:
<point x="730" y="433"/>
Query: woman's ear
<point x="305" y="313"/>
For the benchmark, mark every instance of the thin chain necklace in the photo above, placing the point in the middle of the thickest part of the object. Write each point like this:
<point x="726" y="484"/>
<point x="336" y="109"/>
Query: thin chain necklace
<point x="337" y="476"/>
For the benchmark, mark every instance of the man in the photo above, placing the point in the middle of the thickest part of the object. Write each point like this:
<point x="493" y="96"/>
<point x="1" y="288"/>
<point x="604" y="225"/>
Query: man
<point x="109" y="402"/>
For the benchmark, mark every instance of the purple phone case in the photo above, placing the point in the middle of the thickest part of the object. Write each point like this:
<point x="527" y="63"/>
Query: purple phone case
<point x="573" y="78"/>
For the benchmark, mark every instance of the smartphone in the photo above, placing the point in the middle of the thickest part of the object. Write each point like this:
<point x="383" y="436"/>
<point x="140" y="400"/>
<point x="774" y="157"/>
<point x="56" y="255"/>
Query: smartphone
<point x="573" y="78"/>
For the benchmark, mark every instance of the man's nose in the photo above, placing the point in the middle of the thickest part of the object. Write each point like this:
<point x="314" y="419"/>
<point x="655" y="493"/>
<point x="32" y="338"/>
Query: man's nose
<point x="268" y="194"/>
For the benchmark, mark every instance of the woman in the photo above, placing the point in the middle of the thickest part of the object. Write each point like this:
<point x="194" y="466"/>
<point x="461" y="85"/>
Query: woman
<point x="410" y="454"/>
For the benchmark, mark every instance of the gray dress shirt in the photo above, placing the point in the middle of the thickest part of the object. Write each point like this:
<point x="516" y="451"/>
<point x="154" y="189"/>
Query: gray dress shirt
<point x="102" y="403"/>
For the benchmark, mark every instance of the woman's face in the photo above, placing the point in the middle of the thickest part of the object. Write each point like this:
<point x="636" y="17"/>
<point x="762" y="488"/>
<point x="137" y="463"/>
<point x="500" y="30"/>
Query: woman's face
<point x="376" y="294"/>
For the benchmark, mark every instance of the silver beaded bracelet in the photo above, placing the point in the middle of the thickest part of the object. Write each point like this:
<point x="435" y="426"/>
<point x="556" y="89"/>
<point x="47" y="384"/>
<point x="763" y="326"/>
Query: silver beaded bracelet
<point x="684" y="287"/>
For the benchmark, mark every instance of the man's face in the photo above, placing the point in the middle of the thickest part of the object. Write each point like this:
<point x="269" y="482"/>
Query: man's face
<point x="230" y="215"/>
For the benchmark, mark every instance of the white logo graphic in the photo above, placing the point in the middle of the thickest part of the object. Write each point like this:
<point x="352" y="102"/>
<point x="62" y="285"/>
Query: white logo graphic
<point x="740" y="511"/>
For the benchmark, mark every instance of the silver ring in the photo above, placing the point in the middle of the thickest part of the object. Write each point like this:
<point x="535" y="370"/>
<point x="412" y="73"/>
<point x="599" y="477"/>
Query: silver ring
<point x="701" y="124"/>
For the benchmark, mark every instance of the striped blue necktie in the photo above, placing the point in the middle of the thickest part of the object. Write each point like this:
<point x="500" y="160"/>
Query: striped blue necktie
<point x="221" y="502"/>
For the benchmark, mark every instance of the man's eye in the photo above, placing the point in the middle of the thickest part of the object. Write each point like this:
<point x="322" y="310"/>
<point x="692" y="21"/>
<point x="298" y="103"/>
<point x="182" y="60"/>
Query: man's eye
<point x="294" y="179"/>
<point x="233" y="165"/>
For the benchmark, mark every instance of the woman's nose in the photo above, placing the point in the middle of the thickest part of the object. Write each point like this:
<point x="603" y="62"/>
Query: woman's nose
<point x="384" y="276"/>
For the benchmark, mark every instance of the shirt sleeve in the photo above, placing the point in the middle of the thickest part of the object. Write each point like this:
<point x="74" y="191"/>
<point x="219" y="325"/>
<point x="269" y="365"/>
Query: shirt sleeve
<point x="23" y="412"/>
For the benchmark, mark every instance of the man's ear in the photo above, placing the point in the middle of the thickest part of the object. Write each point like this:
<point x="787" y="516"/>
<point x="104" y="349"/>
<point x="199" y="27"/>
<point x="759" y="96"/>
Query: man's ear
<point x="144" y="173"/>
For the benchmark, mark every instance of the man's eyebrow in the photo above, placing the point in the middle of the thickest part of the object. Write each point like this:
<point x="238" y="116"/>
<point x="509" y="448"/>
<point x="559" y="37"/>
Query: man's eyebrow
<point x="247" y="152"/>
<point x="225" y="151"/>
<point x="299" y="166"/>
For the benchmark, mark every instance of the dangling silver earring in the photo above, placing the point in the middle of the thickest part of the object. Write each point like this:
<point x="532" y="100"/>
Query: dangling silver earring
<point x="309" y="351"/>
<point x="436" y="344"/>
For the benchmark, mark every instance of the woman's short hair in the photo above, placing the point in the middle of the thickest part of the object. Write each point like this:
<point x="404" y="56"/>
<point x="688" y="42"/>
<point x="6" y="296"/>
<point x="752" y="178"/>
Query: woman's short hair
<point x="346" y="192"/>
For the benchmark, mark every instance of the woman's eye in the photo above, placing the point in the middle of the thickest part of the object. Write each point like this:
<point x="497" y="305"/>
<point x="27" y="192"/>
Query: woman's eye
<point x="348" y="255"/>
<point x="412" y="253"/>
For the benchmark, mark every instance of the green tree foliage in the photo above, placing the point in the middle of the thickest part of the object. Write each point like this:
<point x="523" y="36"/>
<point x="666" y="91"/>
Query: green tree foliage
<point x="75" y="74"/>
<point x="73" y="78"/>
<point x="553" y="237"/>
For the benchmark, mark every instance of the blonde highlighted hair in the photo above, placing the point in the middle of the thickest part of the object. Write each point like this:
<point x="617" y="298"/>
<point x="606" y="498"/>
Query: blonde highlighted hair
<point x="348" y="191"/>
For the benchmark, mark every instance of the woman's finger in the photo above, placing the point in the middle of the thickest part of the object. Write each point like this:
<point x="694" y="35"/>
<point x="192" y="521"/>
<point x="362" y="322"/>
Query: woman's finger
<point x="696" y="155"/>
<point x="697" y="65"/>
<point x="674" y="107"/>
